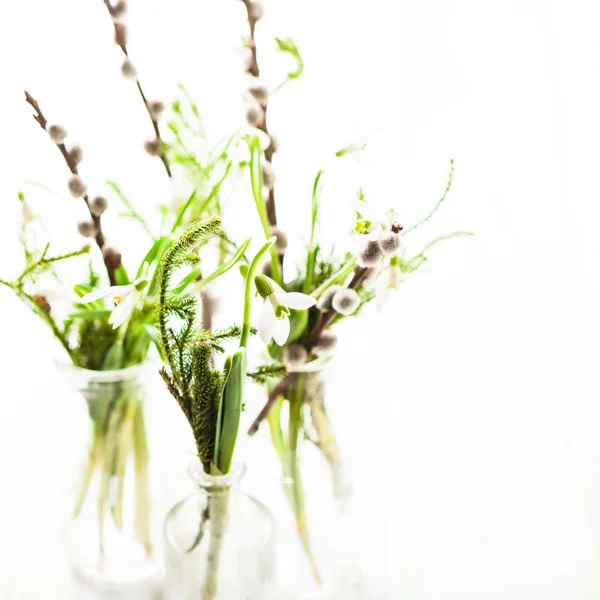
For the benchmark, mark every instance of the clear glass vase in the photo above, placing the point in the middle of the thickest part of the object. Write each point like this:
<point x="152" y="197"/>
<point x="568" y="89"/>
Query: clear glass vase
<point x="317" y="550"/>
<point x="109" y="535"/>
<point x="219" y="543"/>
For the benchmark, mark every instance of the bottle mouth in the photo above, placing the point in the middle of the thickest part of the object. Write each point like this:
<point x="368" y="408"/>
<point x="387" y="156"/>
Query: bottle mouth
<point x="112" y="376"/>
<point x="200" y="477"/>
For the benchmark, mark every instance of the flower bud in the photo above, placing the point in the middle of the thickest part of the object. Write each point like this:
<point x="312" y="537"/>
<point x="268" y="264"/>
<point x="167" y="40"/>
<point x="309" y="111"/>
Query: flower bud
<point x="324" y="301"/>
<point x="98" y="205"/>
<point x="260" y="93"/>
<point x="264" y="286"/>
<point x="346" y="301"/>
<point x="274" y="143"/>
<point x="256" y="10"/>
<point x="112" y="257"/>
<point x="255" y="115"/>
<point x="128" y="70"/>
<point x="86" y="229"/>
<point x="75" y="155"/>
<point x="389" y="242"/>
<point x="156" y="109"/>
<point x="77" y="187"/>
<point x="371" y="255"/>
<point x="118" y="10"/>
<point x="57" y="133"/>
<point x="153" y="148"/>
<point x="244" y="269"/>
<point x="282" y="239"/>
<point x="268" y="175"/>
<point x="295" y="354"/>
<point x="325" y="344"/>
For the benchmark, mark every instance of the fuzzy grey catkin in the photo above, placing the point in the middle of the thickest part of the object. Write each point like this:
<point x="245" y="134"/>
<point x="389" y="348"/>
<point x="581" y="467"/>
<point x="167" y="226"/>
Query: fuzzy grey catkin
<point x="86" y="229"/>
<point x="274" y="145"/>
<point x="282" y="238"/>
<point x="156" y="109"/>
<point x="260" y="93"/>
<point x="267" y="269"/>
<point x="371" y="254"/>
<point x="295" y="354"/>
<point x="75" y="155"/>
<point x="389" y="242"/>
<point x="370" y="273"/>
<point x="112" y="257"/>
<point x="152" y="147"/>
<point x="57" y="133"/>
<point x="255" y="115"/>
<point x="325" y="344"/>
<point x="118" y="10"/>
<point x="345" y="301"/>
<point x="128" y="69"/>
<point x="324" y="301"/>
<point x="98" y="205"/>
<point x="268" y="175"/>
<point x="77" y="187"/>
<point x="256" y="10"/>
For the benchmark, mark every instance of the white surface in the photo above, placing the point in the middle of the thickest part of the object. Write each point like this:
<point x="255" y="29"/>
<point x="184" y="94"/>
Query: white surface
<point x="477" y="393"/>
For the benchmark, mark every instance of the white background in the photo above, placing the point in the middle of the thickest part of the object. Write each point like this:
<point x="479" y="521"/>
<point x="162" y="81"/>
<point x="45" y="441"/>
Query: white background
<point x="481" y="372"/>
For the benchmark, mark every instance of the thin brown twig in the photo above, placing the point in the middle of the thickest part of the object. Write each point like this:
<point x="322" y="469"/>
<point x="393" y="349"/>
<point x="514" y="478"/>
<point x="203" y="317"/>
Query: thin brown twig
<point x="71" y="164"/>
<point x="254" y="70"/>
<point x="121" y="41"/>
<point x="273" y="395"/>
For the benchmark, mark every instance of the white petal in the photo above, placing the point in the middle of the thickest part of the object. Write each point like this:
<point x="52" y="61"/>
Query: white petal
<point x="382" y="292"/>
<point x="122" y="310"/>
<point x="102" y="293"/>
<point x="363" y="209"/>
<point x="266" y="322"/>
<point x="296" y="300"/>
<point x="282" y="331"/>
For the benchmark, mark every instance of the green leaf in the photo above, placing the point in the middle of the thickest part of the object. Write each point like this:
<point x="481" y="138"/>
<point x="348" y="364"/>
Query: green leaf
<point x="90" y="314"/>
<point x="121" y="275"/>
<point x="230" y="410"/>
<point x="298" y="325"/>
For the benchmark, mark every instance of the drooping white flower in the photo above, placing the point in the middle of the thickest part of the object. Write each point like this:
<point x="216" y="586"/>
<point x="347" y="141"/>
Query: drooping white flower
<point x="124" y="296"/>
<point x="389" y="280"/>
<point x="273" y="319"/>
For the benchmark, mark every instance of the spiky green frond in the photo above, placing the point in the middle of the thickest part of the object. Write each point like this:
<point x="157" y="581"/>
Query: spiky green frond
<point x="264" y="373"/>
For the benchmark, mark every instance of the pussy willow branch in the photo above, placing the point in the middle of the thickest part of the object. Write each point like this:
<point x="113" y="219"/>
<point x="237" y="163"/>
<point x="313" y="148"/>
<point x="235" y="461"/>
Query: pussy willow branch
<point x="277" y="391"/>
<point x="326" y="318"/>
<point x="254" y="70"/>
<point x="99" y="237"/>
<point x="121" y="41"/>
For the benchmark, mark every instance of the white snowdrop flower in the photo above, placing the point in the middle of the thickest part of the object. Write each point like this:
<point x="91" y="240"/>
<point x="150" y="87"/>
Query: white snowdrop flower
<point x="295" y="354"/>
<point x="156" y="109"/>
<point x="273" y="319"/>
<point x="86" y="229"/>
<point x="388" y="281"/>
<point x="98" y="205"/>
<point x="255" y="115"/>
<point x="77" y="187"/>
<point x="75" y="155"/>
<point x="371" y="254"/>
<point x="259" y="92"/>
<point x="268" y="175"/>
<point x="256" y="10"/>
<point x="325" y="344"/>
<point x="57" y="133"/>
<point x="128" y="69"/>
<point x="124" y="297"/>
<point x="282" y="238"/>
<point x="345" y="301"/>
<point x="324" y="302"/>
<point x="153" y="147"/>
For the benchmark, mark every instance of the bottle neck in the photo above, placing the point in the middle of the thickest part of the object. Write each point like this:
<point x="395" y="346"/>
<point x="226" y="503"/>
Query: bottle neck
<point x="215" y="485"/>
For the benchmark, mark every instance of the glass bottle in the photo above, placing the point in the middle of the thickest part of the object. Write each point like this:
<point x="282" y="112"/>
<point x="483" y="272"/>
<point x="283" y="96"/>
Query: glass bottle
<point x="109" y="535"/>
<point x="219" y="543"/>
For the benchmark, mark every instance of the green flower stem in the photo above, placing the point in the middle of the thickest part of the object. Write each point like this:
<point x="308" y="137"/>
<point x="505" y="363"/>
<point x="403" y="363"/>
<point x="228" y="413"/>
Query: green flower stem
<point x="142" y="494"/>
<point x="337" y="277"/>
<point x="218" y="504"/>
<point x="248" y="291"/>
<point x="257" y="186"/>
